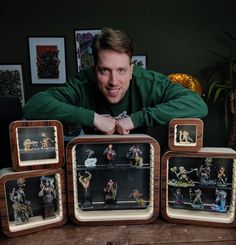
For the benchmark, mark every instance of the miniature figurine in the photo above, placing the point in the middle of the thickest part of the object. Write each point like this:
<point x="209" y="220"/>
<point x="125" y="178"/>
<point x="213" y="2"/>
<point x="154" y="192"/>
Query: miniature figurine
<point x="179" y="198"/>
<point x="205" y="172"/>
<point x="220" y="201"/>
<point x="29" y="144"/>
<point x="48" y="193"/>
<point x="196" y="198"/>
<point x="109" y="154"/>
<point x="45" y="141"/>
<point x="90" y="162"/>
<point x="184" y="137"/>
<point x="110" y="192"/>
<point x="21" y="207"/>
<point x="182" y="176"/>
<point x="135" y="156"/>
<point x="221" y="177"/>
<point x="85" y="182"/>
<point x="136" y="194"/>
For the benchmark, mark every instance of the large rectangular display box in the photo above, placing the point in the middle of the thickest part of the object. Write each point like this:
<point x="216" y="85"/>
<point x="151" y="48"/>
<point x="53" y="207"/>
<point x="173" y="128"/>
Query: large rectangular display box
<point x="113" y="179"/>
<point x="32" y="201"/>
<point x="185" y="134"/>
<point x="36" y="144"/>
<point x="199" y="187"/>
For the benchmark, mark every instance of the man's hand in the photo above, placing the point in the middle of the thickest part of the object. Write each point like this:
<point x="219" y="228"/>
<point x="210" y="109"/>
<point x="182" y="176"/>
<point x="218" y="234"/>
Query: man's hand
<point x="124" y="125"/>
<point x="105" y="124"/>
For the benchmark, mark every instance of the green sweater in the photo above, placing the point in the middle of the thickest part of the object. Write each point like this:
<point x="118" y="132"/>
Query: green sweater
<point x="151" y="99"/>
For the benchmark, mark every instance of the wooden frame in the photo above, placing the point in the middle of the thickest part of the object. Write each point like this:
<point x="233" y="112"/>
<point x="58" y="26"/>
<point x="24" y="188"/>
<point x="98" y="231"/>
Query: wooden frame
<point x="11" y="81"/>
<point x="36" y="144"/>
<point x="185" y="134"/>
<point x="203" y="169"/>
<point x="8" y="185"/>
<point x="125" y="210"/>
<point x="47" y="60"/>
<point x="83" y="45"/>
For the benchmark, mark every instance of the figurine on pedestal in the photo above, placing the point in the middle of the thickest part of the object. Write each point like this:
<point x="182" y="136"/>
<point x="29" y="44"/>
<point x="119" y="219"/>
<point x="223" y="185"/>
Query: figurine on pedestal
<point x="136" y="194"/>
<point x="21" y="207"/>
<point x="45" y="141"/>
<point x="90" y="161"/>
<point x="205" y="172"/>
<point x="85" y="182"/>
<point x="109" y="154"/>
<point x="221" y="177"/>
<point x="48" y="193"/>
<point x="220" y="201"/>
<point x="135" y="156"/>
<point x="179" y="198"/>
<point x="196" y="198"/>
<point x="110" y="192"/>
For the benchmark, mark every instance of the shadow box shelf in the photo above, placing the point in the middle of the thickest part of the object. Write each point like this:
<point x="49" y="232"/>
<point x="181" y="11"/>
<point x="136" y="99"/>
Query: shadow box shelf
<point x="32" y="201"/>
<point x="36" y="144"/>
<point x="113" y="179"/>
<point x="185" y="134"/>
<point x="199" y="187"/>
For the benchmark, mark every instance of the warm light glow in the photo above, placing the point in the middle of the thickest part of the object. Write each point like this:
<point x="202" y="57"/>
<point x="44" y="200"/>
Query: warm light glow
<point x="187" y="81"/>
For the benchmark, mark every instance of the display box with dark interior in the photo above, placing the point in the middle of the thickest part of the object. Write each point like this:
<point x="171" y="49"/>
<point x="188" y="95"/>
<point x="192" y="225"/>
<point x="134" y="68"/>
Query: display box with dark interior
<point x="199" y="187"/>
<point x="185" y="134"/>
<point x="113" y="179"/>
<point x="36" y="144"/>
<point x="32" y="200"/>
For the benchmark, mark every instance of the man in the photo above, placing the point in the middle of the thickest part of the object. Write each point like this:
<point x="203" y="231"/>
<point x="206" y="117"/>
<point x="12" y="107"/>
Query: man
<point x="115" y="96"/>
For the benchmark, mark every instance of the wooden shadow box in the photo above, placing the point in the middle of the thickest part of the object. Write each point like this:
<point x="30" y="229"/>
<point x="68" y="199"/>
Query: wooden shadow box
<point x="199" y="187"/>
<point x="185" y="134"/>
<point x="113" y="179"/>
<point x="32" y="201"/>
<point x="36" y="144"/>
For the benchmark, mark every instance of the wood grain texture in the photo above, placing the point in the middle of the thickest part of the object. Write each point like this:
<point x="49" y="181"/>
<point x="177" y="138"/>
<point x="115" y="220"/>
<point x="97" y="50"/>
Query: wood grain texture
<point x="164" y="178"/>
<point x="36" y="123"/>
<point x="30" y="174"/>
<point x="198" y="123"/>
<point x="131" y="139"/>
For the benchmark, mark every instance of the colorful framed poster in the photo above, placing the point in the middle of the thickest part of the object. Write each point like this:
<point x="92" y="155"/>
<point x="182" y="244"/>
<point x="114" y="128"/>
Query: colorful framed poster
<point x="47" y="60"/>
<point x="83" y="45"/>
<point x="140" y="60"/>
<point x="11" y="81"/>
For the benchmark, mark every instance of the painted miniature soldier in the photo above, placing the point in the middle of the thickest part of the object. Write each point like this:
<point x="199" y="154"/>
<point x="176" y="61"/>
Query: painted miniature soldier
<point x="205" y="172"/>
<point x="196" y="198"/>
<point x="109" y="154"/>
<point x="135" y="156"/>
<point x="110" y="192"/>
<point x="85" y="182"/>
<point x="45" y="141"/>
<point x="221" y="177"/>
<point x="21" y="207"/>
<point x="184" y="137"/>
<point x="48" y="193"/>
<point x="136" y="194"/>
<point x="179" y="198"/>
<point x="220" y="201"/>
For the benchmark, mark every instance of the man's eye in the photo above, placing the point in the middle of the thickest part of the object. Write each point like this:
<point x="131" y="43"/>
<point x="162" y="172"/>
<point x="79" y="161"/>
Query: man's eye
<point x="121" y="70"/>
<point x="104" y="71"/>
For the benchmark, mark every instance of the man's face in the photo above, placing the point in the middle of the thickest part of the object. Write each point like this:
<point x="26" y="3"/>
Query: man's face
<point x="113" y="71"/>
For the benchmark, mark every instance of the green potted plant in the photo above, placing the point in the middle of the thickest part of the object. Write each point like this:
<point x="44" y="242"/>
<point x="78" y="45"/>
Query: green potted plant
<point x="223" y="87"/>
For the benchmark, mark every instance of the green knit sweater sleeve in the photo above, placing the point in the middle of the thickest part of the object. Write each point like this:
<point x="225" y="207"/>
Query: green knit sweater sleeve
<point x="162" y="100"/>
<point x="66" y="104"/>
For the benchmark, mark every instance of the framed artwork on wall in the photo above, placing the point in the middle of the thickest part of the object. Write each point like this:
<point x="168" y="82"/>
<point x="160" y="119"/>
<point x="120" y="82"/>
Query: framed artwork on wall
<point x="11" y="81"/>
<point x="83" y="45"/>
<point x="47" y="60"/>
<point x="140" y="60"/>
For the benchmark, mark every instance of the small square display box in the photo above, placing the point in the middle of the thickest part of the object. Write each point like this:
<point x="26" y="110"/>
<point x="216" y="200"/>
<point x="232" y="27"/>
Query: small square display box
<point x="113" y="179"/>
<point x="31" y="200"/>
<point x="199" y="187"/>
<point x="36" y="145"/>
<point x="185" y="134"/>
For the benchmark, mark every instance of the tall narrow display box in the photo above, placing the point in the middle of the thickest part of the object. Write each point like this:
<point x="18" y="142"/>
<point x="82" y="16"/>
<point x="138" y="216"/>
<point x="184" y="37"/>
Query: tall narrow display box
<point x="31" y="200"/>
<point x="185" y="134"/>
<point x="37" y="144"/>
<point x="113" y="179"/>
<point x="199" y="187"/>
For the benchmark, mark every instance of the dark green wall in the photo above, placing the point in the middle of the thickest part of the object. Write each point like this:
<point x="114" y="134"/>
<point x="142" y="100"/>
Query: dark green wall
<point x="177" y="36"/>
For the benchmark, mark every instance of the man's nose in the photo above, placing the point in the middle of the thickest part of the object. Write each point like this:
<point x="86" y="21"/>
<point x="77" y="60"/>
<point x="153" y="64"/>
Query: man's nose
<point x="113" y="78"/>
